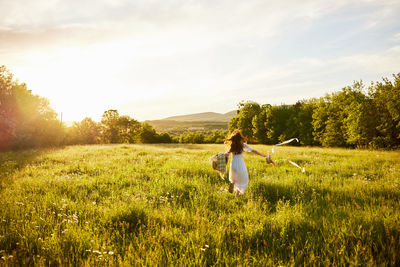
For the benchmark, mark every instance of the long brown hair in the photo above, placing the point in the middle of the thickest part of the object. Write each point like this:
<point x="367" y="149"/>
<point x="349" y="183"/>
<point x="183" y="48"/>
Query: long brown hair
<point x="235" y="142"/>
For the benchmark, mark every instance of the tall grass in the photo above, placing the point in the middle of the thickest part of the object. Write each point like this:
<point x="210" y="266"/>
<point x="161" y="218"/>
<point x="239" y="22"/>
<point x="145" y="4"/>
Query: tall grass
<point x="164" y="204"/>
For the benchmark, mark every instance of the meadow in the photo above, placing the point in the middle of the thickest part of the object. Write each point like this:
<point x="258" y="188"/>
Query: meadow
<point x="164" y="205"/>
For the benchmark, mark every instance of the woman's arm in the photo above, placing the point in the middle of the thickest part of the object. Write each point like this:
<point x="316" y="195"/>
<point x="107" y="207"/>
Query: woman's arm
<point x="258" y="153"/>
<point x="267" y="158"/>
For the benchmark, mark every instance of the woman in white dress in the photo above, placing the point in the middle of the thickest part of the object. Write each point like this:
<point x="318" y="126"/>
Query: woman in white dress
<point x="238" y="175"/>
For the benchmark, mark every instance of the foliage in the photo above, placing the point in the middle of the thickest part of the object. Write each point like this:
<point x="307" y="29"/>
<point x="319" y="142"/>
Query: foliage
<point x="280" y="123"/>
<point x="386" y="100"/>
<point x="85" y="132"/>
<point x="350" y="117"/>
<point x="112" y="129"/>
<point x="148" y="135"/>
<point x="244" y="119"/>
<point x="152" y="205"/>
<point x="177" y="128"/>
<point x="202" y="137"/>
<point x="259" y="124"/>
<point x="26" y="120"/>
<point x="272" y="124"/>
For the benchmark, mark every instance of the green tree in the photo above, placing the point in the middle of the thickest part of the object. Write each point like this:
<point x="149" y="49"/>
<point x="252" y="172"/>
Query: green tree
<point x="345" y="118"/>
<point x="165" y="138"/>
<point x="303" y="121"/>
<point x="110" y="129"/>
<point x="280" y="123"/>
<point x="192" y="138"/>
<point x="147" y="134"/>
<point x="244" y="119"/>
<point x="386" y="99"/>
<point x="128" y="129"/>
<point x="8" y="108"/>
<point x="215" y="137"/>
<point x="259" y="125"/>
<point x="26" y="120"/>
<point x="359" y="120"/>
<point x="85" y="132"/>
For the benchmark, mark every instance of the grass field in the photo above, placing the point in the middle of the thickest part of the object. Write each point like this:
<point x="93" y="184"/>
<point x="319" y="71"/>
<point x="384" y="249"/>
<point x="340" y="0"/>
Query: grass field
<point x="164" y="204"/>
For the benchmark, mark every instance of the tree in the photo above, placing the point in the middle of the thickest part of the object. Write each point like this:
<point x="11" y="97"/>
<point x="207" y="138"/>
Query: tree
<point x="359" y="122"/>
<point x="280" y="123"/>
<point x="328" y="119"/>
<point x="85" y="132"/>
<point x="303" y="121"/>
<point x="259" y="125"/>
<point x="386" y="99"/>
<point x="26" y="120"/>
<point x="165" y="138"/>
<point x="128" y="129"/>
<point x="8" y="108"/>
<point x="345" y="118"/>
<point x="147" y="134"/>
<point x="244" y="119"/>
<point x="109" y="124"/>
<point x="215" y="137"/>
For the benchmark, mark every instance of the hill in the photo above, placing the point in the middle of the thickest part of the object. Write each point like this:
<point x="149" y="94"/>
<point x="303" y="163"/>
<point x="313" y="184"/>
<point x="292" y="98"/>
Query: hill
<point x="177" y="127"/>
<point x="204" y="116"/>
<point x="205" y="121"/>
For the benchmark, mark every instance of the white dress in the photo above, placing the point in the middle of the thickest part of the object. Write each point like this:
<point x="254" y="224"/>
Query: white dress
<point x="238" y="174"/>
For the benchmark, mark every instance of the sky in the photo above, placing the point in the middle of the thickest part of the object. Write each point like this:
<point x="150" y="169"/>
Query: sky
<point x="154" y="59"/>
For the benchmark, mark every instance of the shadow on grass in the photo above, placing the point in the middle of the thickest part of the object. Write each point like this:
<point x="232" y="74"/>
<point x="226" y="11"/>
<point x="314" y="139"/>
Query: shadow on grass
<point x="129" y="220"/>
<point x="12" y="161"/>
<point x="368" y="242"/>
<point x="274" y="192"/>
<point x="362" y="238"/>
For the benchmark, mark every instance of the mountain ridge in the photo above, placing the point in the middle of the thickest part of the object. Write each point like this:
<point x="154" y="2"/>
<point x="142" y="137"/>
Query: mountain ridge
<point x="204" y="116"/>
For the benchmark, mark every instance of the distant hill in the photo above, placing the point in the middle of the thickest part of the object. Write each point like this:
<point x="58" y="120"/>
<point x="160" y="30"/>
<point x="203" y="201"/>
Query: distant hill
<point x="204" y="121"/>
<point x="204" y="116"/>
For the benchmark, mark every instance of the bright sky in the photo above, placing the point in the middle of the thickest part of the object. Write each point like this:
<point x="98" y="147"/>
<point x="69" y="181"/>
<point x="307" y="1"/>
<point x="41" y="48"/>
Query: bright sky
<point x="151" y="59"/>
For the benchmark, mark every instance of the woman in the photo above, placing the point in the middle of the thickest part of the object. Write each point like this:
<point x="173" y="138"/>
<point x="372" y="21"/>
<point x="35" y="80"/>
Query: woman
<point x="238" y="175"/>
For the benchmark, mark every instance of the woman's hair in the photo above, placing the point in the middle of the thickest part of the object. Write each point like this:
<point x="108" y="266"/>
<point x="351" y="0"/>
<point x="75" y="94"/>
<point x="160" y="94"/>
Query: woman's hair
<point x="235" y="142"/>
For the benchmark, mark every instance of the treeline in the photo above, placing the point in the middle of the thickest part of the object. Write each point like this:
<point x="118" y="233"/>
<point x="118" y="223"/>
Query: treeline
<point x="202" y="137"/>
<point x="356" y="116"/>
<point x="27" y="121"/>
<point x="114" y="129"/>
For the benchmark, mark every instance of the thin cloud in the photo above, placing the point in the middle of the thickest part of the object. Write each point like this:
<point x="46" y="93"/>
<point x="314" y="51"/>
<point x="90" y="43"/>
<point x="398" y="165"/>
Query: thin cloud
<point x="211" y="53"/>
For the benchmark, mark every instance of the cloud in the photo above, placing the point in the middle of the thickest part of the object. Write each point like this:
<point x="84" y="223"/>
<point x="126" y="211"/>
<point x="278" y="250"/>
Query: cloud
<point x="42" y="24"/>
<point x="396" y="37"/>
<point x="209" y="53"/>
<point x="200" y="17"/>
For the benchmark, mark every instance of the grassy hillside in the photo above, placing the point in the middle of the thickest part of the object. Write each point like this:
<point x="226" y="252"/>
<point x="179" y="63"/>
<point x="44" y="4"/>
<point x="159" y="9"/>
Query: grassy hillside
<point x="163" y="204"/>
<point x="204" y="116"/>
<point x="178" y="127"/>
<point x="206" y="121"/>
